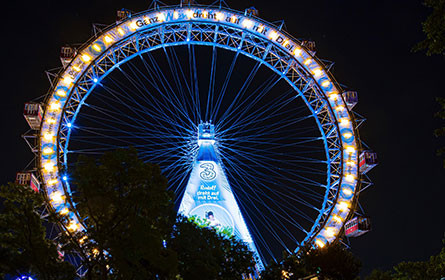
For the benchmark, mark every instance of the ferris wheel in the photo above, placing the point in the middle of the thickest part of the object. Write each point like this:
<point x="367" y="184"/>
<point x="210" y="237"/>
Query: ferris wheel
<point x="250" y="128"/>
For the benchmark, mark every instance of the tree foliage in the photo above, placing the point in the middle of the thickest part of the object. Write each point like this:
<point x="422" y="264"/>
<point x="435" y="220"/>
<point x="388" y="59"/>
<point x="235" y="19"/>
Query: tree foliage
<point x="434" y="29"/>
<point x="24" y="248"/>
<point x="133" y="231"/>
<point x="434" y="268"/>
<point x="330" y="262"/>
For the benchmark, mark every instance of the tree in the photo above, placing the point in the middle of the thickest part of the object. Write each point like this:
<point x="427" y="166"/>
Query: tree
<point x="127" y="213"/>
<point x="204" y="254"/>
<point x="378" y="274"/>
<point x="434" y="268"/>
<point x="333" y="261"/>
<point x="24" y="248"/>
<point x="133" y="231"/>
<point x="434" y="29"/>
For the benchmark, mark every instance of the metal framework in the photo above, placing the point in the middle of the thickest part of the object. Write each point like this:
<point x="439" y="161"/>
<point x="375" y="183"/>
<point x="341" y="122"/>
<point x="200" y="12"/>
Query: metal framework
<point x="215" y="27"/>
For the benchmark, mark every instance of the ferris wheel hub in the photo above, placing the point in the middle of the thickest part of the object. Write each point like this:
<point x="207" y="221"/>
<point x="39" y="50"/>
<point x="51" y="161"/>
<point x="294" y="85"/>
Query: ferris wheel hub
<point x="206" y="133"/>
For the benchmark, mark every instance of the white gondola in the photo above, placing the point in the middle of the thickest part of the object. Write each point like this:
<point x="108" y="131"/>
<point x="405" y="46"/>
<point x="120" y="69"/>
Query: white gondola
<point x="33" y="113"/>
<point x="357" y="226"/>
<point x="67" y="54"/>
<point x="122" y="15"/>
<point x="252" y="11"/>
<point x="351" y="98"/>
<point x="310" y="45"/>
<point x="367" y="161"/>
<point x="28" y="179"/>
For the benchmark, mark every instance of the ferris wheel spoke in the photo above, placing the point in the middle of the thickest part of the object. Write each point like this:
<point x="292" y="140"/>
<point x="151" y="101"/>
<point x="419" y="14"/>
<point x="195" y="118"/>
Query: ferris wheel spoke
<point x="194" y="78"/>
<point x="115" y="120"/>
<point x="242" y="171"/>
<point x="211" y="88"/>
<point x="180" y="79"/>
<point x="253" y="158"/>
<point x="193" y="103"/>
<point x="118" y="116"/>
<point x="262" y="115"/>
<point x="240" y="93"/>
<point x="257" y="130"/>
<point x="244" y="106"/>
<point x="275" y="111"/>
<point x="220" y="98"/>
<point x="165" y="89"/>
<point x="258" y="199"/>
<point x="164" y="105"/>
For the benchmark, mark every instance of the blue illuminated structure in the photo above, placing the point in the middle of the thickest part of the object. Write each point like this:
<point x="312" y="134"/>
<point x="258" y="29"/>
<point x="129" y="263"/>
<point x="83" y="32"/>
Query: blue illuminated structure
<point x="208" y="197"/>
<point x="282" y="132"/>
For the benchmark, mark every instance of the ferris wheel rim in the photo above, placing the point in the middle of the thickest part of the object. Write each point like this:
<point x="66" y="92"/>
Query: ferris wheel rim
<point x="60" y="126"/>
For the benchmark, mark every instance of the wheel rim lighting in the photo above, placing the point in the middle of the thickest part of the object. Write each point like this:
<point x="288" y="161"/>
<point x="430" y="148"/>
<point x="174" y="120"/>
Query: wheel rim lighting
<point x="53" y="120"/>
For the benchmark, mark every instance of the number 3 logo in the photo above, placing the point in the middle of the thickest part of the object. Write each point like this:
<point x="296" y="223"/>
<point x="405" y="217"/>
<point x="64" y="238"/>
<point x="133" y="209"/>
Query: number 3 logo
<point x="208" y="173"/>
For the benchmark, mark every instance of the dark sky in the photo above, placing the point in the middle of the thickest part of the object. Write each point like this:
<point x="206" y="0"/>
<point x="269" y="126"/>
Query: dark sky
<point x="370" y="43"/>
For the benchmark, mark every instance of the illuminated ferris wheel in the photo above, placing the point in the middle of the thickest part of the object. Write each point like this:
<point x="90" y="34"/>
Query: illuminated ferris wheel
<point x="255" y="136"/>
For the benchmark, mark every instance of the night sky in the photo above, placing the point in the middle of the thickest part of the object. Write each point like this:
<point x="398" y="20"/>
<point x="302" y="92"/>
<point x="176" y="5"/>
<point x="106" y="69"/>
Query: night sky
<point x="370" y="43"/>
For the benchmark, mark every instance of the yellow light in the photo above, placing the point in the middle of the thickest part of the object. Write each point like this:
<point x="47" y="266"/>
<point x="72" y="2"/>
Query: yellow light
<point x="349" y="177"/>
<point x="95" y="252"/>
<point x="260" y="28"/>
<point x="273" y="35"/>
<point x="121" y="31"/>
<point x="347" y="135"/>
<point x="51" y="182"/>
<point x="108" y="39"/>
<point x="350" y="149"/>
<point x="307" y="61"/>
<point x="47" y="151"/>
<point x="247" y="23"/>
<point x="161" y="17"/>
<point x="50" y="120"/>
<point x="72" y="226"/>
<point x="61" y="93"/>
<point x="189" y="14"/>
<point x="344" y="122"/>
<point x="86" y="58"/>
<point x="285" y="274"/>
<point x="96" y="47"/>
<point x="343" y="206"/>
<point x="325" y="83"/>
<point x="175" y="15"/>
<point x="319" y="243"/>
<point x="54" y="106"/>
<point x="132" y="26"/>
<point x="82" y="240"/>
<point x="340" y="108"/>
<point x="64" y="211"/>
<point x="233" y="19"/>
<point x="49" y="166"/>
<point x="205" y="14"/>
<point x="219" y="16"/>
<point x="285" y="43"/>
<point x="317" y="72"/>
<point x="77" y="68"/>
<point x="330" y="232"/>
<point x="337" y="219"/>
<point x="298" y="51"/>
<point x="57" y="197"/>
<point x="347" y="191"/>
<point x="333" y="96"/>
<point x="67" y="80"/>
<point x="48" y="136"/>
